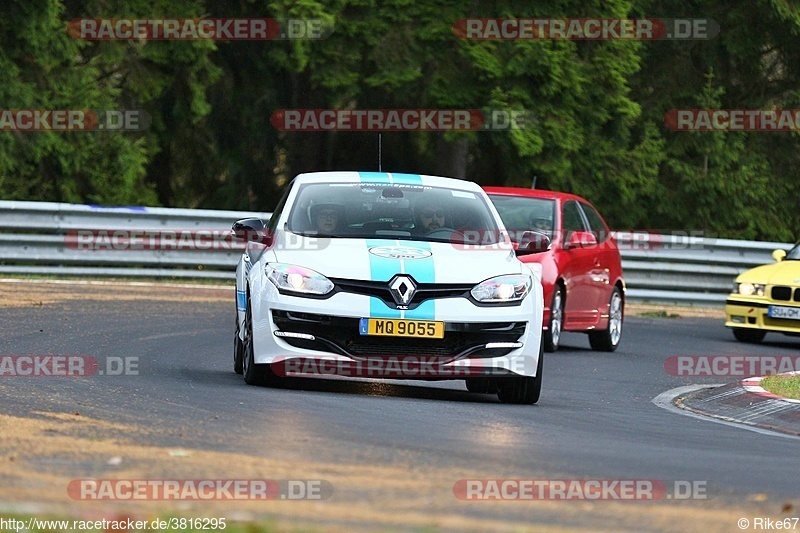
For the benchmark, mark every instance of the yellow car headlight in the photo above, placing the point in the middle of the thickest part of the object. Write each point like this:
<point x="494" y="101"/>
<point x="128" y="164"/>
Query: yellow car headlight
<point x="749" y="289"/>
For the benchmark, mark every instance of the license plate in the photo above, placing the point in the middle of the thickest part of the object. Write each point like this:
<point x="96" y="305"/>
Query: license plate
<point x="393" y="327"/>
<point x="779" y="311"/>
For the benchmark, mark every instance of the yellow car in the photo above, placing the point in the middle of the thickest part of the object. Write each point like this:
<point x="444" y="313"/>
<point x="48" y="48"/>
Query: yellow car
<point x="766" y="298"/>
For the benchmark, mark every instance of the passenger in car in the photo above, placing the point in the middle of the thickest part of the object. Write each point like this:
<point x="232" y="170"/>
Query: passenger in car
<point x="328" y="218"/>
<point x="542" y="224"/>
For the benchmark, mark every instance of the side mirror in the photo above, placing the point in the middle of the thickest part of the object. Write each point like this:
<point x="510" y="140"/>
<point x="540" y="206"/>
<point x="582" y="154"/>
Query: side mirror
<point x="533" y="242"/>
<point x="250" y="229"/>
<point x="581" y="239"/>
<point x="779" y="255"/>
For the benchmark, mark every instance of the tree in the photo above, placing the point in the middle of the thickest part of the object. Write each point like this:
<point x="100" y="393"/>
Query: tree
<point x="732" y="184"/>
<point x="44" y="70"/>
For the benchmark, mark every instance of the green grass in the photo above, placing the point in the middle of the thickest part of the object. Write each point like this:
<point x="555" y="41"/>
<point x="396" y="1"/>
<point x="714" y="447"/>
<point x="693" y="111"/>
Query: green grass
<point x="786" y="386"/>
<point x="659" y="314"/>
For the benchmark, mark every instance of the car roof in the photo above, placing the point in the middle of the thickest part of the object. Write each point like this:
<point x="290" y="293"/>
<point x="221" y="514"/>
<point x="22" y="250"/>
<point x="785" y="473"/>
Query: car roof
<point x="534" y="193"/>
<point x="388" y="178"/>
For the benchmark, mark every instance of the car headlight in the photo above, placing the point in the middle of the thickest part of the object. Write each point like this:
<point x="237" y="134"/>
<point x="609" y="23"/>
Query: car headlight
<point x="502" y="289"/>
<point x="297" y="279"/>
<point x="749" y="289"/>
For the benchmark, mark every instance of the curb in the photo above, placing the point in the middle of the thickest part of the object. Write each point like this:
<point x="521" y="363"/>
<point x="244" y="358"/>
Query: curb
<point x="745" y="402"/>
<point x="753" y="385"/>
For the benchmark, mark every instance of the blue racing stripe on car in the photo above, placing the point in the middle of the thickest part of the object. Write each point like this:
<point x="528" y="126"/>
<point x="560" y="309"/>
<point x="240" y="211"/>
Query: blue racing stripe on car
<point x="241" y="300"/>
<point x="378" y="309"/>
<point x="384" y="269"/>
<point x="385" y="177"/>
<point x="423" y="271"/>
<point x="381" y="269"/>
<point x="374" y="177"/>
<point x="425" y="311"/>
<point x="407" y="179"/>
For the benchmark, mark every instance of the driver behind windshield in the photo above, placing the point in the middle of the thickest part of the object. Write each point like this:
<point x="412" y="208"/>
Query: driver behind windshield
<point x="428" y="217"/>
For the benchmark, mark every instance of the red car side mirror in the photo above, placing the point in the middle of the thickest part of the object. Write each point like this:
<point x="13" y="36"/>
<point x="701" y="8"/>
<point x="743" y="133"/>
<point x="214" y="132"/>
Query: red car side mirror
<point x="581" y="239"/>
<point x="533" y="242"/>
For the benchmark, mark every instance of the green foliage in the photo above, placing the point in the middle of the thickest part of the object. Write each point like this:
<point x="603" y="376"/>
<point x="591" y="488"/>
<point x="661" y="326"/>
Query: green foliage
<point x="732" y="184"/>
<point x="45" y="69"/>
<point x="595" y="108"/>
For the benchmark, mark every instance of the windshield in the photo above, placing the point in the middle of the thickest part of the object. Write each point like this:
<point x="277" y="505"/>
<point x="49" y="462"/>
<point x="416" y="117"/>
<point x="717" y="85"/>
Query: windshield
<point x="794" y="253"/>
<point x="395" y="211"/>
<point x="521" y="214"/>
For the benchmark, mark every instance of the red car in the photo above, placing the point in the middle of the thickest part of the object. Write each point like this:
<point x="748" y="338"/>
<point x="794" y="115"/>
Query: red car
<point x="582" y="270"/>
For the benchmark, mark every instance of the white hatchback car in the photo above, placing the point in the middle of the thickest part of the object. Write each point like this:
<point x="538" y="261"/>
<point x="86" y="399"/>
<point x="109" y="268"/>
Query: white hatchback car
<point x="381" y="275"/>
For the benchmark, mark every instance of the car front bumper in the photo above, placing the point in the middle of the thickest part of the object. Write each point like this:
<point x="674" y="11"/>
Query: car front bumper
<point x="292" y="333"/>
<point x="752" y="314"/>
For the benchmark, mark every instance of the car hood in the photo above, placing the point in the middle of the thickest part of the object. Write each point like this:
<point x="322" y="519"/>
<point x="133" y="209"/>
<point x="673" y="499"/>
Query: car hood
<point x="786" y="272"/>
<point x="381" y="259"/>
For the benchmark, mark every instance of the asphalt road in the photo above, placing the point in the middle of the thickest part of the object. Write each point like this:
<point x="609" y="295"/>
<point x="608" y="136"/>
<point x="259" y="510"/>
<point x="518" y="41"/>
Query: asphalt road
<point x="595" y="418"/>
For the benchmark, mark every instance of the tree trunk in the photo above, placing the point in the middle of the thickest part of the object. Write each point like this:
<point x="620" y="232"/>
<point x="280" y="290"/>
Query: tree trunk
<point x="452" y="157"/>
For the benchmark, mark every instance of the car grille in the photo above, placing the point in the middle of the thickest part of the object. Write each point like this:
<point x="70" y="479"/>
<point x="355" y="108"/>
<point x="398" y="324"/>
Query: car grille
<point x="425" y="291"/>
<point x="341" y="335"/>
<point x="783" y="294"/>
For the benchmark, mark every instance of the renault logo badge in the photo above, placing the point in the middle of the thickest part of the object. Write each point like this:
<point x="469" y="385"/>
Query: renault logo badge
<point x="402" y="288"/>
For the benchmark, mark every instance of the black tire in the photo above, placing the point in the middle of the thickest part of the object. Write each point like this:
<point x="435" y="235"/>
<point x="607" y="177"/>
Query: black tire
<point x="254" y="374"/>
<point x="608" y="339"/>
<point x="552" y="335"/>
<point x="238" y="349"/>
<point x="482" y="385"/>
<point x="522" y="390"/>
<point x="749" y="335"/>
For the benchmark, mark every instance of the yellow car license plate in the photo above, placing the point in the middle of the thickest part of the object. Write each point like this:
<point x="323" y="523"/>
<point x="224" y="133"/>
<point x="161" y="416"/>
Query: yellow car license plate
<point x="394" y="327"/>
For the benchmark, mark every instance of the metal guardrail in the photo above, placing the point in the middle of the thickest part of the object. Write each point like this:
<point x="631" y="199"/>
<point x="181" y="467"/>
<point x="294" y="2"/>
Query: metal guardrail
<point x="39" y="238"/>
<point x="687" y="270"/>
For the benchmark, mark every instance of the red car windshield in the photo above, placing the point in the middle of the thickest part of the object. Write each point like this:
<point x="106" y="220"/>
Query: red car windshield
<point x="520" y="213"/>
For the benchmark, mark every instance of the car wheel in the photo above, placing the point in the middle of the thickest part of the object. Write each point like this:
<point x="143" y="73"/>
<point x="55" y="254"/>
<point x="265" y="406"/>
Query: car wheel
<point x="254" y="374"/>
<point x="608" y="339"/>
<point x="238" y="349"/>
<point x="522" y="390"/>
<point x="552" y="335"/>
<point x="749" y="335"/>
<point x="482" y="385"/>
